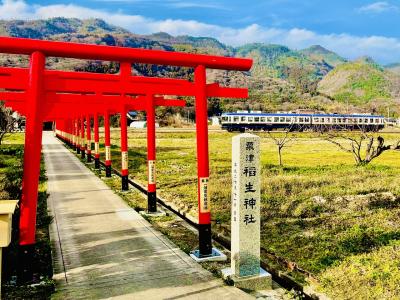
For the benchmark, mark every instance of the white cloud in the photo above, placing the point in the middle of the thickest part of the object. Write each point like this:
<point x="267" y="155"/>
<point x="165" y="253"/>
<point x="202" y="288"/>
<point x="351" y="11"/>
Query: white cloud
<point x="378" y="7"/>
<point x="383" y="49"/>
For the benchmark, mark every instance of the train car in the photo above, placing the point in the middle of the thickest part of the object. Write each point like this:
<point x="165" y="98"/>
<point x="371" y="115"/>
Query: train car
<point x="256" y="121"/>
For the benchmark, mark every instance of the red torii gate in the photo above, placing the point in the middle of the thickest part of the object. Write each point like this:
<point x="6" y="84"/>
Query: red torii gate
<point x="36" y="92"/>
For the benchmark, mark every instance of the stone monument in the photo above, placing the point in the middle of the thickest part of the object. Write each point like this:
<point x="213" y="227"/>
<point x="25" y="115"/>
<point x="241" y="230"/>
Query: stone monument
<point x="245" y="268"/>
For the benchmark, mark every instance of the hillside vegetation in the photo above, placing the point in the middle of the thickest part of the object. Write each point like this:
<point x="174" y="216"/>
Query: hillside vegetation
<point x="321" y="54"/>
<point x="281" y="78"/>
<point x="362" y="83"/>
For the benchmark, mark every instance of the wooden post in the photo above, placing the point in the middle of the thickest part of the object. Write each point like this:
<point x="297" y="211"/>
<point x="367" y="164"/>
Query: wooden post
<point x="30" y="181"/>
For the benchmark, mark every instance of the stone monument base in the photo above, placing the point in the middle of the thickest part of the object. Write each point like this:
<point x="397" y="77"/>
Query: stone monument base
<point x="158" y="213"/>
<point x="129" y="190"/>
<point x="263" y="281"/>
<point x="216" y="255"/>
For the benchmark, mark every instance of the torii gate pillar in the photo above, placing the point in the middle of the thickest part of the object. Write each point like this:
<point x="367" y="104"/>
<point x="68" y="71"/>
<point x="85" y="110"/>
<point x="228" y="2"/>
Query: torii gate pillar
<point x="30" y="181"/>
<point x="205" y="247"/>
<point x="78" y="137"/>
<point x="89" y="140"/>
<point x="107" y="144"/>
<point x="96" y="142"/>
<point x="151" y="156"/>
<point x="83" y="143"/>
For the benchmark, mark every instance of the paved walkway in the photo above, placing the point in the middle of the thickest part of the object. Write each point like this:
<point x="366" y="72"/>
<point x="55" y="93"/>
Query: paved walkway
<point x="104" y="249"/>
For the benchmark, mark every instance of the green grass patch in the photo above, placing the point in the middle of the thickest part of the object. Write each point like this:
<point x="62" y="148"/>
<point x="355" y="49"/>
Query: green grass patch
<point x="318" y="210"/>
<point x="11" y="171"/>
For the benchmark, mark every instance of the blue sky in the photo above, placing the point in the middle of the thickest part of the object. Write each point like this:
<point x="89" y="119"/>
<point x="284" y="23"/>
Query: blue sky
<point x="351" y="28"/>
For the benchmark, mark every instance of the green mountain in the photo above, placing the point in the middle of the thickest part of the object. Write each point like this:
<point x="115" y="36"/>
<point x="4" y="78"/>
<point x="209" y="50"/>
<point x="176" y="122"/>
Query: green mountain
<point x="192" y="44"/>
<point x="270" y="60"/>
<point x="50" y="28"/>
<point x="277" y="61"/>
<point x="281" y="78"/>
<point x="362" y="83"/>
<point x="319" y="53"/>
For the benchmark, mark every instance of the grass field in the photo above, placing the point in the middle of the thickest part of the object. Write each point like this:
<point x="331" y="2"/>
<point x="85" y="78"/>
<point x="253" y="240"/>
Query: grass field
<point x="316" y="209"/>
<point x="11" y="170"/>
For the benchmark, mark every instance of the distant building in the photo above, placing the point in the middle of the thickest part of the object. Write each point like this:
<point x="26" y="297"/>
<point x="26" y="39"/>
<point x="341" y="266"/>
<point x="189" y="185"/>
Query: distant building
<point x="140" y="124"/>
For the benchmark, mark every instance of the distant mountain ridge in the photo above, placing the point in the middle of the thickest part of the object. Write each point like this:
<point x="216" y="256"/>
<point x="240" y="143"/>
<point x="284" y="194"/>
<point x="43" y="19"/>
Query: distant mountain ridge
<point x="273" y="59"/>
<point x="318" y="52"/>
<point x="281" y="78"/>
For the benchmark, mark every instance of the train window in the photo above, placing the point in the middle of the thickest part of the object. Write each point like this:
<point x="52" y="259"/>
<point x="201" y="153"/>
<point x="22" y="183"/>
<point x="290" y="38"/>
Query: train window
<point x="276" y="119"/>
<point x="262" y="119"/>
<point x="328" y="120"/>
<point x="282" y="119"/>
<point x="256" y="119"/>
<point x="316" y="120"/>
<point x="250" y="119"/>
<point x="359" y="120"/>
<point x="334" y="120"/>
<point x="376" y="121"/>
<point x="224" y="119"/>
<point x="322" y="120"/>
<point x="243" y="119"/>
<point x="365" y="120"/>
<point x="371" y="120"/>
<point x="288" y="120"/>
<point x="269" y="119"/>
<point x="339" y="120"/>
<point x="235" y="119"/>
<point x="301" y="120"/>
<point x="307" y="119"/>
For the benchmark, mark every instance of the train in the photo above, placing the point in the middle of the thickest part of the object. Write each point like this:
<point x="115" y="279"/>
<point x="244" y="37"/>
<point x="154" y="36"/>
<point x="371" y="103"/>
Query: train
<point x="257" y="121"/>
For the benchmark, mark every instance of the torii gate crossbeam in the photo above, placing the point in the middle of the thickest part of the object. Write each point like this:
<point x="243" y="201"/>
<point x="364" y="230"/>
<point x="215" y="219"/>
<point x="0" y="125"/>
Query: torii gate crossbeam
<point x="36" y="88"/>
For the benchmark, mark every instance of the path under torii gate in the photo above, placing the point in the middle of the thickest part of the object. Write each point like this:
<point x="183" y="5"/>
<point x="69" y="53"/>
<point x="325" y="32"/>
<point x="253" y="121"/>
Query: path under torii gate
<point x="44" y="95"/>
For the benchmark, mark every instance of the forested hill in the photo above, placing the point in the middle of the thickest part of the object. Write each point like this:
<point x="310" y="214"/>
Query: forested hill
<point x="281" y="78"/>
<point x="362" y="82"/>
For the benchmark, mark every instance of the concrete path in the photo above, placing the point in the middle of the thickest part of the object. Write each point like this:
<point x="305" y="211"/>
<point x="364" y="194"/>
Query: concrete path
<point x="104" y="249"/>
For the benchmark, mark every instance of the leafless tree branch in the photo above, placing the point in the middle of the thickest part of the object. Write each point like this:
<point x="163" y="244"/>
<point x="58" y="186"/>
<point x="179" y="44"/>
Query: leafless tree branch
<point x="7" y="122"/>
<point x="282" y="141"/>
<point x="364" y="145"/>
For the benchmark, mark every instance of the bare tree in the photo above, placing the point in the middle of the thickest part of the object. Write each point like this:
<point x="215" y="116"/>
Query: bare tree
<point x="282" y="140"/>
<point x="7" y="122"/>
<point x="363" y="144"/>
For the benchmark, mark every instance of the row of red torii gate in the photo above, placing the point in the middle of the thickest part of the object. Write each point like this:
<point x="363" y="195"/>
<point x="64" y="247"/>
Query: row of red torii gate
<point x="73" y="99"/>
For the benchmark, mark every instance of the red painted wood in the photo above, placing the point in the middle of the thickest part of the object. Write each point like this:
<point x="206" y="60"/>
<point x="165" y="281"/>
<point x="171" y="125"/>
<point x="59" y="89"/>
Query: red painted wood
<point x="99" y="52"/>
<point x="201" y="136"/>
<point x="66" y="97"/>
<point x="33" y="142"/>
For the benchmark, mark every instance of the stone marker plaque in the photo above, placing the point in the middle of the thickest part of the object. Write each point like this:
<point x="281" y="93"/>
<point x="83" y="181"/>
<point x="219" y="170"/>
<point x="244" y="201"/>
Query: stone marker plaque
<point x="245" y="205"/>
<point x="245" y="268"/>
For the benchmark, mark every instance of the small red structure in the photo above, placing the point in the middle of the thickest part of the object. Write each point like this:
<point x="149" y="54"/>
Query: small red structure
<point x="44" y="95"/>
